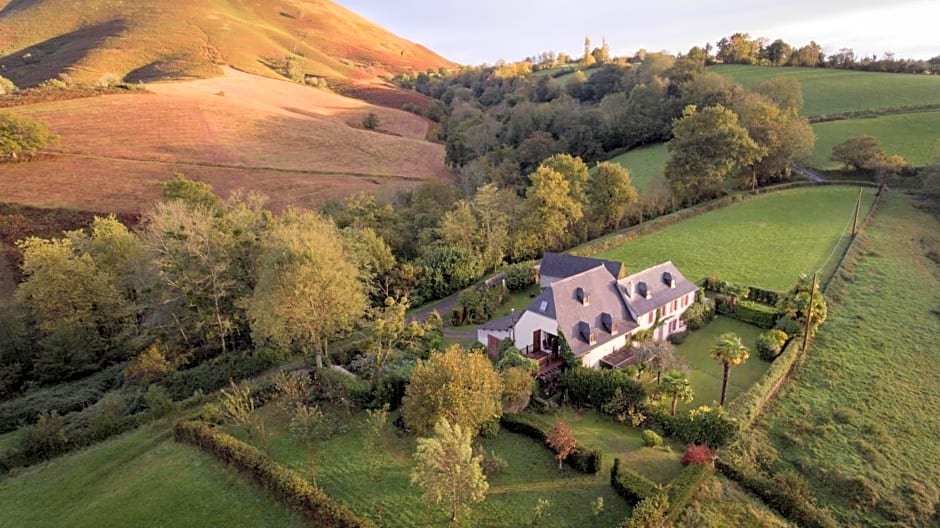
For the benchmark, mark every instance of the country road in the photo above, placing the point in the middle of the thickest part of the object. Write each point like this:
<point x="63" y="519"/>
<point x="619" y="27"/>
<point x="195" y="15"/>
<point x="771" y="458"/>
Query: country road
<point x="809" y="174"/>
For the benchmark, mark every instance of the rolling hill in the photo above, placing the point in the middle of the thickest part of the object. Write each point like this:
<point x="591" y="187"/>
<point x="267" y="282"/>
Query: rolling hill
<point x="99" y="40"/>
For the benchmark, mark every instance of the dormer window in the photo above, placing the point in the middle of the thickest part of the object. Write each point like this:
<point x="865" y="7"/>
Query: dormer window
<point x="643" y="289"/>
<point x="587" y="333"/>
<point x="583" y="297"/>
<point x="610" y="325"/>
<point x="669" y="280"/>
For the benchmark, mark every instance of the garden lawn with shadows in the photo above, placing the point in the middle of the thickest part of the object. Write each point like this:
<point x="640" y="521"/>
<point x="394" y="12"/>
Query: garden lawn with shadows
<point x="340" y="468"/>
<point x="705" y="373"/>
<point x="142" y="478"/>
<point x="765" y="241"/>
<point x="859" y="420"/>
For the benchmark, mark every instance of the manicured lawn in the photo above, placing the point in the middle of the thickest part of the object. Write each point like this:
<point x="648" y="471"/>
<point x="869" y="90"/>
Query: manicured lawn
<point x="864" y="403"/>
<point x="518" y="301"/>
<point x="912" y="136"/>
<point x="827" y="91"/>
<point x="532" y="473"/>
<point x="765" y="241"/>
<point x="646" y="166"/>
<point x="706" y="373"/>
<point x="142" y="478"/>
<point x="621" y="441"/>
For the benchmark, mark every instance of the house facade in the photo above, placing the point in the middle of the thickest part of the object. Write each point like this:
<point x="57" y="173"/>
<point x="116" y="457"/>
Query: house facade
<point x="595" y="308"/>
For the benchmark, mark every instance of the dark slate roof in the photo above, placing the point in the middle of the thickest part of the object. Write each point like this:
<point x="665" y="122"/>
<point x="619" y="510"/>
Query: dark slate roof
<point x="503" y="324"/>
<point x="601" y="286"/>
<point x="548" y="309"/>
<point x="562" y="265"/>
<point x="660" y="292"/>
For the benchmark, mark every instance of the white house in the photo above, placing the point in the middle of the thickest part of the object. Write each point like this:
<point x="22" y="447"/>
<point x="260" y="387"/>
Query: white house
<point x="595" y="309"/>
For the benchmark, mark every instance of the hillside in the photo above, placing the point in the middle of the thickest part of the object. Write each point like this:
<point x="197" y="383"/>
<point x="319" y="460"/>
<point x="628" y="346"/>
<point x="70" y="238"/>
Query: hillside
<point x="99" y="40"/>
<point x="296" y="144"/>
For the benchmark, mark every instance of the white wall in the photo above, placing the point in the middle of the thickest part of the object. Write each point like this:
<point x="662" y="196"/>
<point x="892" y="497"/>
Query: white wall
<point x="528" y="323"/>
<point x="592" y="359"/>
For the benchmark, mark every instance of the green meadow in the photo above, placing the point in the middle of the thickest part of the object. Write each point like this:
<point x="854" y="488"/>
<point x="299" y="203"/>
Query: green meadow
<point x="915" y="137"/>
<point x="859" y="420"/>
<point x="646" y="166"/>
<point x="829" y="91"/>
<point x="766" y="241"/>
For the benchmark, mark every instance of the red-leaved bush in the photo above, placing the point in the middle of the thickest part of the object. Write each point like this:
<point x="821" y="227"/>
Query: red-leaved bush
<point x="697" y="454"/>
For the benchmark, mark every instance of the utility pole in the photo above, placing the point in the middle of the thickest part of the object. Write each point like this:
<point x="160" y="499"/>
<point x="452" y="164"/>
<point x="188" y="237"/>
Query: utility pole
<point x="858" y="205"/>
<point x="809" y="313"/>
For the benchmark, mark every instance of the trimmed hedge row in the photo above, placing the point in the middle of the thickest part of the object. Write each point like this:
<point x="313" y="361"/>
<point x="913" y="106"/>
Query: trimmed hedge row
<point x="630" y="485"/>
<point x="215" y="373"/>
<point x="280" y="481"/>
<point x="776" y="494"/>
<point x="684" y="487"/>
<point x="747" y="406"/>
<point x="749" y="312"/>
<point x="581" y="459"/>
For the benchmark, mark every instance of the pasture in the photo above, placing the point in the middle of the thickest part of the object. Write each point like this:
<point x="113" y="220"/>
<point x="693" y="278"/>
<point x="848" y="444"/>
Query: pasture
<point x="829" y="91"/>
<point x="914" y="136"/>
<point x="646" y="166"/>
<point x="859" y="420"/>
<point x="142" y="478"/>
<point x="765" y="241"/>
<point x="340" y="468"/>
<point x="296" y="144"/>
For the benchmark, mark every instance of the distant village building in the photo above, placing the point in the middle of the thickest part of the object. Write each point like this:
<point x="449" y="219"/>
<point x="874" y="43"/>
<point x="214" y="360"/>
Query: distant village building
<point x="595" y="308"/>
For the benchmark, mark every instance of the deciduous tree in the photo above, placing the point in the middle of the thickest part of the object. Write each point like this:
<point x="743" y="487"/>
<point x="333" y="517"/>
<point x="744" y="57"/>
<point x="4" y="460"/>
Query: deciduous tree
<point x="461" y="387"/>
<point x="22" y="137"/>
<point x="562" y="441"/>
<point x="611" y="195"/>
<point x="308" y="290"/>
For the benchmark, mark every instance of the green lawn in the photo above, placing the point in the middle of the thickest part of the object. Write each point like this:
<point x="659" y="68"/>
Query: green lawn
<point x="865" y="402"/>
<point x="914" y="136"/>
<point x="827" y="91"/>
<point x="646" y="166"/>
<point x="706" y="373"/>
<point x="617" y="440"/>
<point x="142" y="478"/>
<point x="341" y="470"/>
<point x="765" y="241"/>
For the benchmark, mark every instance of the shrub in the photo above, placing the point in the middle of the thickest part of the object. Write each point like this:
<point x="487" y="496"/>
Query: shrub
<point x="770" y="344"/>
<point x="520" y="276"/>
<point x="684" y="487"/>
<point x="650" y="513"/>
<point x="370" y="121"/>
<point x="45" y="439"/>
<point x="586" y="460"/>
<point x="6" y="86"/>
<point x="698" y="314"/>
<point x="280" y="481"/>
<point x="651" y="439"/>
<point x="493" y="464"/>
<point x="704" y="425"/>
<point x="678" y="338"/>
<point x="490" y="429"/>
<point x="158" y="401"/>
<point x="630" y="485"/>
<point x="22" y="136"/>
<point x="697" y="454"/>
<point x="215" y="373"/>
<point x="336" y="387"/>
<point x="598" y="387"/>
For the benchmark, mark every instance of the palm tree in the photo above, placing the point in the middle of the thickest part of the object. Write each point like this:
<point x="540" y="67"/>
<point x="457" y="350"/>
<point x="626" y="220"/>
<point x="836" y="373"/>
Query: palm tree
<point x="730" y="351"/>
<point x="676" y="385"/>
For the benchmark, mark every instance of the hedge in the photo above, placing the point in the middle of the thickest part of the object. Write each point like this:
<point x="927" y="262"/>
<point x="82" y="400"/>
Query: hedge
<point x="216" y="373"/>
<point x="581" y="459"/>
<point x="750" y="312"/>
<point x="797" y="509"/>
<point x="64" y="398"/>
<point x="630" y="485"/>
<point x="747" y="406"/>
<point x="278" y="480"/>
<point x="684" y="487"/>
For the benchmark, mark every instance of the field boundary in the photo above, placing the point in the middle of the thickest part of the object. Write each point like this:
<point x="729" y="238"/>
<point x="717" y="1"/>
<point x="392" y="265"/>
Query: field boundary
<point x="874" y="113"/>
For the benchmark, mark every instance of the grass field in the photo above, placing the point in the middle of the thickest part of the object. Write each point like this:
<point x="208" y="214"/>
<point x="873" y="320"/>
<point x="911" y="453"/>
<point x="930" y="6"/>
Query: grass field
<point x="296" y="144"/>
<point x="914" y="136"/>
<point x="705" y="373"/>
<point x="646" y="166"/>
<point x="765" y="241"/>
<point x="827" y="91"/>
<point x="865" y="402"/>
<point x="341" y="470"/>
<point x="142" y="478"/>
